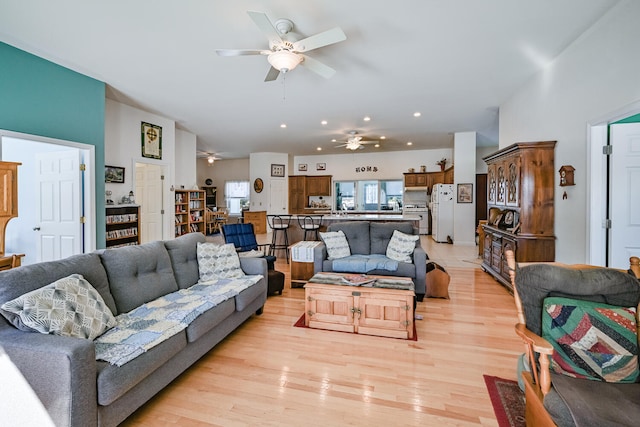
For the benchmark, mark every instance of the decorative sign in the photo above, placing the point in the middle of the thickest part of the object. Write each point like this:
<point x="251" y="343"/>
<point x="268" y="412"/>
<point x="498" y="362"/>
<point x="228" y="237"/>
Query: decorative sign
<point x="151" y="141"/>
<point x="367" y="169"/>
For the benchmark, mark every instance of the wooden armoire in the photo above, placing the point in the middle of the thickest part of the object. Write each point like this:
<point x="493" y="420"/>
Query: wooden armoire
<point x="520" y="185"/>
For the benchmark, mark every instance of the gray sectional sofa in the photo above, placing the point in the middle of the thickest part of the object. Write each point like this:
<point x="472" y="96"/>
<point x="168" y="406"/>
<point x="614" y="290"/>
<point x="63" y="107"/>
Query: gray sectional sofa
<point x="371" y="237"/>
<point x="79" y="391"/>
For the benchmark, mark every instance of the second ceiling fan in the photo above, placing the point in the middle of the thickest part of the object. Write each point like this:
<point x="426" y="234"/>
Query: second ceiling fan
<point x="356" y="142"/>
<point x="284" y="55"/>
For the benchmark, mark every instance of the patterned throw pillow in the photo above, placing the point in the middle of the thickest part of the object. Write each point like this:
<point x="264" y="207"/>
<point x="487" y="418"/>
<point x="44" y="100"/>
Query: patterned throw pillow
<point x="401" y="246"/>
<point x="218" y="262"/>
<point x="69" y="307"/>
<point x="336" y="243"/>
<point x="591" y="340"/>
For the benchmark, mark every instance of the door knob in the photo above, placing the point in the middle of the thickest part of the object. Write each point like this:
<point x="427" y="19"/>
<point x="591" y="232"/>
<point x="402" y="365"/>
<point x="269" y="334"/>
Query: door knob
<point x="36" y="228"/>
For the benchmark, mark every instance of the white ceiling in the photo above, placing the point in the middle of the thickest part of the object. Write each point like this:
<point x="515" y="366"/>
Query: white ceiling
<point x="455" y="61"/>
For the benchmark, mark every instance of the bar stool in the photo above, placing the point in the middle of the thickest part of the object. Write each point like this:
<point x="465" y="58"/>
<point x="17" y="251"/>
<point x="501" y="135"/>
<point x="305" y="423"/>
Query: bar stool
<point x="279" y="225"/>
<point x="310" y="224"/>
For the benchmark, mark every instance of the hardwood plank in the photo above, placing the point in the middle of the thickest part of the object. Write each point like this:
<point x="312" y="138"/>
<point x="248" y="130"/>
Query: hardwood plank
<point x="270" y="373"/>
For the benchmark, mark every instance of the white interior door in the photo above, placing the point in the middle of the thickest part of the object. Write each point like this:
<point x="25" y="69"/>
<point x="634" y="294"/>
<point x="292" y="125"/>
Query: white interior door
<point x="58" y="205"/>
<point x="624" y="208"/>
<point x="277" y="197"/>
<point x="149" y="197"/>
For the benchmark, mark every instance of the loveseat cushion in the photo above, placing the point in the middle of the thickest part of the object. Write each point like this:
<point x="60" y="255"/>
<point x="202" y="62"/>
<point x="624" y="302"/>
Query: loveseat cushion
<point x="138" y="274"/>
<point x="357" y="234"/>
<point x="184" y="260"/>
<point x="381" y="233"/>
<point x="114" y="381"/>
<point x="27" y="278"/>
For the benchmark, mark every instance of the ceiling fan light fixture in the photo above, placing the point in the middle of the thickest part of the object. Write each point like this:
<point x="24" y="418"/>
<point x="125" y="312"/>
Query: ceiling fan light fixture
<point x="210" y="160"/>
<point x="353" y="145"/>
<point x="284" y="60"/>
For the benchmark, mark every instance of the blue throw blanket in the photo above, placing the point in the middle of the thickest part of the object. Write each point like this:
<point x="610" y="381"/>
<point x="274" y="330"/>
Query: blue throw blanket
<point x="364" y="263"/>
<point x="152" y="323"/>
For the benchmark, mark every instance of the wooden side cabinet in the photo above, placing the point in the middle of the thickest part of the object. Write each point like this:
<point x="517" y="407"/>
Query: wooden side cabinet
<point x="9" y="195"/>
<point x="123" y="223"/>
<point x="520" y="180"/>
<point x="258" y="219"/>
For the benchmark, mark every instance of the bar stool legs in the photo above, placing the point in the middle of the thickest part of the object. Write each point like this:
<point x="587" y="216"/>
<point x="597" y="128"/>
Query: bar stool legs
<point x="279" y="237"/>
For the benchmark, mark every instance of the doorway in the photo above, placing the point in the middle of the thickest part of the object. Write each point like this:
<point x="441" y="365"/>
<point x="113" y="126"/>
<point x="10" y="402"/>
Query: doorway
<point x="601" y="202"/>
<point x="53" y="197"/>
<point x="149" y="195"/>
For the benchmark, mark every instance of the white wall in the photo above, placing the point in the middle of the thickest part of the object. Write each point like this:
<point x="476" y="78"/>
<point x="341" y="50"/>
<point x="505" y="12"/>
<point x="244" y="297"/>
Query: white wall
<point x="464" y="214"/>
<point x="481" y="166"/>
<point x="260" y="167"/>
<point x="185" y="161"/>
<point x="123" y="147"/>
<point x="389" y="165"/>
<point x="593" y="77"/>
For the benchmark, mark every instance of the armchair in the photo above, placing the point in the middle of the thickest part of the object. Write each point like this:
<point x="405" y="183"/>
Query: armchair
<point x="243" y="238"/>
<point x="554" y="398"/>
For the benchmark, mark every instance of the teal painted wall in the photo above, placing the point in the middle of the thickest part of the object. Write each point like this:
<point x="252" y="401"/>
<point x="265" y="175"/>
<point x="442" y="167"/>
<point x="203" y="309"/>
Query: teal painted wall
<point x="41" y="98"/>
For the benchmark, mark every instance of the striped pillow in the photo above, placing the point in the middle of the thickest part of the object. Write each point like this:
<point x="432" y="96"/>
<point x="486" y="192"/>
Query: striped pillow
<point x="336" y="243"/>
<point x="595" y="341"/>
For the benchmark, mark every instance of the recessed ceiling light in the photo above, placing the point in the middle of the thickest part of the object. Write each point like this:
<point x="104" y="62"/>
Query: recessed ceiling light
<point x="323" y="123"/>
<point x="366" y="118"/>
<point x="283" y="125"/>
<point x="334" y="140"/>
<point x="417" y="114"/>
<point x="319" y="148"/>
<point x="409" y="143"/>
<point x="377" y="145"/>
<point x="383" y="137"/>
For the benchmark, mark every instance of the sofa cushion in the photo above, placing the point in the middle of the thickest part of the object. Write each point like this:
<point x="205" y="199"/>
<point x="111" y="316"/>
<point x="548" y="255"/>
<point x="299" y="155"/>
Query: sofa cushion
<point x="357" y="234"/>
<point x="68" y="307"/>
<point x="210" y="319"/>
<point x="591" y="340"/>
<point x="21" y="280"/>
<point x="138" y="274"/>
<point x="364" y="263"/>
<point x="336" y="243"/>
<point x="381" y="233"/>
<point x="253" y="292"/>
<point x="401" y="246"/>
<point x="184" y="259"/>
<point x="218" y="262"/>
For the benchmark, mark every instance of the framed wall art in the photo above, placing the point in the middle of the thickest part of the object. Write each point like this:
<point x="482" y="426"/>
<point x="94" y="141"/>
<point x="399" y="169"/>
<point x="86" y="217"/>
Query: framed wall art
<point x="321" y="166"/>
<point x="277" y="170"/>
<point x="151" y="141"/>
<point x="465" y="193"/>
<point x="114" y="174"/>
<point x="302" y="167"/>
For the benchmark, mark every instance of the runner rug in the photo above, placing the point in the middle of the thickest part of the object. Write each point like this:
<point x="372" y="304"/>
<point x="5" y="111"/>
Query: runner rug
<point x="507" y="400"/>
<point x="300" y="324"/>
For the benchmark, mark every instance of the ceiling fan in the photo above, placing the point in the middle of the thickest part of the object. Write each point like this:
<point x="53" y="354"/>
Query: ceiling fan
<point x="285" y="55"/>
<point x="356" y="142"/>
<point x="209" y="156"/>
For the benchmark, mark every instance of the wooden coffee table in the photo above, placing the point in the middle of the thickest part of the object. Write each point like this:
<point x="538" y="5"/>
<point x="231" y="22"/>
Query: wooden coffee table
<point x="370" y="310"/>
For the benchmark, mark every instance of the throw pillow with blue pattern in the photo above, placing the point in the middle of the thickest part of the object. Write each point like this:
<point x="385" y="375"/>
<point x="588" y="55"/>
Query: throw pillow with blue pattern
<point x="218" y="262"/>
<point x="336" y="243"/>
<point x="401" y="246"/>
<point x="594" y="341"/>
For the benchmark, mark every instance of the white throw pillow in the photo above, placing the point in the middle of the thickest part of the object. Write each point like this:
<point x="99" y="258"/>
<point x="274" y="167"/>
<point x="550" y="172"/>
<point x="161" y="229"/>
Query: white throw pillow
<point x="336" y="243"/>
<point x="218" y="262"/>
<point x="401" y="246"/>
<point x="68" y="307"/>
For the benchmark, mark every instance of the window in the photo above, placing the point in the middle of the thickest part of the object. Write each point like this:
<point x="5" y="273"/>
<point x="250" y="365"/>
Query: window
<point x="368" y="195"/>
<point x="236" y="195"/>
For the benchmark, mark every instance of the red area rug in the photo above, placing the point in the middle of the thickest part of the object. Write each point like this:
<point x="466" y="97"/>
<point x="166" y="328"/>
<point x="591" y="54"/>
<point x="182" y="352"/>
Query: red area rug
<point x="507" y="400"/>
<point x="300" y="324"/>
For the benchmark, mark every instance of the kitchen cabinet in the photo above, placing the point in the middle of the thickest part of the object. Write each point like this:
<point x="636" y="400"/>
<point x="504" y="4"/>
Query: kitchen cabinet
<point x="520" y="182"/>
<point x="301" y="187"/>
<point x="318" y="185"/>
<point x="428" y="179"/>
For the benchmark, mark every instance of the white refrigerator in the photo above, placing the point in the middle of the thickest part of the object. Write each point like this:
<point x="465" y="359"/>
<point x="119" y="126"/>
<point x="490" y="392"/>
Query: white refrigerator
<point x="442" y="199"/>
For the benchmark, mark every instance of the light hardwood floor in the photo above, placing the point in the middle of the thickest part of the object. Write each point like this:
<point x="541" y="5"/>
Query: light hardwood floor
<point x="270" y="373"/>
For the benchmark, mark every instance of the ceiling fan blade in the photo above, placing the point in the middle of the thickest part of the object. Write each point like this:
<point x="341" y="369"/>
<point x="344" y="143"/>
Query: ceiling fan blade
<point x="241" y="52"/>
<point x="266" y="26"/>
<point x="318" y="67"/>
<point x="272" y="74"/>
<point x="325" y="38"/>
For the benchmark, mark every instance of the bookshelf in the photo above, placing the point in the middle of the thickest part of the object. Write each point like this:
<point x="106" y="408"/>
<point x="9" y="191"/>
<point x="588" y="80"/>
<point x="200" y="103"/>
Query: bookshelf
<point x="189" y="215"/>
<point x="123" y="223"/>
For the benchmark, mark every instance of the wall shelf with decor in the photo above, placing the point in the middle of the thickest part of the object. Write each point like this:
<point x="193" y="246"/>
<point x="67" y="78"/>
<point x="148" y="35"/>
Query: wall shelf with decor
<point x="123" y="223"/>
<point x="189" y="211"/>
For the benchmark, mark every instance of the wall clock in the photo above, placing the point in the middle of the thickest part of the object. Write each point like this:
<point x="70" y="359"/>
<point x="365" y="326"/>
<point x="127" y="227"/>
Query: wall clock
<point x="258" y="185"/>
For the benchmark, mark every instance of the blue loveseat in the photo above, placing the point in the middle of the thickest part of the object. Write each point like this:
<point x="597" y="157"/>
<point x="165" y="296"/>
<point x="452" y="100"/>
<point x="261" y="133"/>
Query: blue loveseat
<point x="372" y="238"/>
<point x="79" y="391"/>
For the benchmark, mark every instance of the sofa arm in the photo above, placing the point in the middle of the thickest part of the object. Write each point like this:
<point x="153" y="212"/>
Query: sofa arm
<point x="319" y="255"/>
<point x="60" y="370"/>
<point x="420" y="261"/>
<point x="253" y="266"/>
